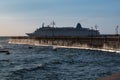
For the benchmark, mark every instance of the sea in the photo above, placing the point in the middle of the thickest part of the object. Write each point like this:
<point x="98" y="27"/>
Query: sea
<point x="27" y="62"/>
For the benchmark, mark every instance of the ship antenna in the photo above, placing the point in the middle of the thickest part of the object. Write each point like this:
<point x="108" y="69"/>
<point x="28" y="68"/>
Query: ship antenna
<point x="43" y="24"/>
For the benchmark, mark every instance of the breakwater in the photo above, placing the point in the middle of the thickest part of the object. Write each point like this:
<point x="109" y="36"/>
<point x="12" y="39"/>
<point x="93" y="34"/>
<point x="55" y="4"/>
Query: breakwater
<point x="96" y="43"/>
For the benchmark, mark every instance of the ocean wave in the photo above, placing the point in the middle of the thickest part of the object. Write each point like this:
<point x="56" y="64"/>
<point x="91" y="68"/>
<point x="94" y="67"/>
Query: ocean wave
<point x="29" y="67"/>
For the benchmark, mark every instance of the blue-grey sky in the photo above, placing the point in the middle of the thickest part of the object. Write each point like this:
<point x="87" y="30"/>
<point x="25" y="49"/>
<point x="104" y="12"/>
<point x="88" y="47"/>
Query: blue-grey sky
<point x="18" y="17"/>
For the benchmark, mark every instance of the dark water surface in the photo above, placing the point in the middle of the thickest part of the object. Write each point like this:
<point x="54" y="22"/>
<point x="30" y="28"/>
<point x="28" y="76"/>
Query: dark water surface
<point x="44" y="63"/>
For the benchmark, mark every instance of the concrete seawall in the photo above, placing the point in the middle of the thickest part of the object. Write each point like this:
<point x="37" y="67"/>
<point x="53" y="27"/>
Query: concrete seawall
<point x="108" y="43"/>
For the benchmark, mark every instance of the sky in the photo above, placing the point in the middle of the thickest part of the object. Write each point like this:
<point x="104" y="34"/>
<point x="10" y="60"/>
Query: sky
<point x="18" y="17"/>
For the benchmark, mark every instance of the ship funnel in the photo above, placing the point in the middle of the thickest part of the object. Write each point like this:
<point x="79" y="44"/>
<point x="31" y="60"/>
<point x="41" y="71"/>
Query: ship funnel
<point x="78" y="26"/>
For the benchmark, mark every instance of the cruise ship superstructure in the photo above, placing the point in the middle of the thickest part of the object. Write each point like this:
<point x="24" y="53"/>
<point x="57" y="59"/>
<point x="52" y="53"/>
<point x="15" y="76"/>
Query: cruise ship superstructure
<point x="78" y="31"/>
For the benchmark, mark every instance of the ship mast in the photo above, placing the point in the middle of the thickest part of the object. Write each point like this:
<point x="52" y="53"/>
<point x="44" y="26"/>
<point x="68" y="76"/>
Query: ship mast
<point x="96" y="27"/>
<point x="53" y="24"/>
<point x="116" y="29"/>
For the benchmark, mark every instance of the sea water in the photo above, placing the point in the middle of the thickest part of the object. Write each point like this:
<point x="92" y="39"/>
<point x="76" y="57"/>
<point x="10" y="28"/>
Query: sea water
<point x="26" y="62"/>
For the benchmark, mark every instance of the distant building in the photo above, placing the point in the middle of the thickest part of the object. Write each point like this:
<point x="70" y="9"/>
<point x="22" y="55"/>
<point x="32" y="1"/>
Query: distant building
<point x="63" y="32"/>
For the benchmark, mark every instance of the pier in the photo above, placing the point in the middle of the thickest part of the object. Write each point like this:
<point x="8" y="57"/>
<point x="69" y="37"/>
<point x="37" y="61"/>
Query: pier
<point x="103" y="42"/>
